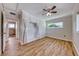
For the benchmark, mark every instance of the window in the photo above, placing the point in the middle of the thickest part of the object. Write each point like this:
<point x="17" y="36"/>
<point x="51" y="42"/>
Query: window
<point x="77" y="23"/>
<point x="11" y="25"/>
<point x="55" y="25"/>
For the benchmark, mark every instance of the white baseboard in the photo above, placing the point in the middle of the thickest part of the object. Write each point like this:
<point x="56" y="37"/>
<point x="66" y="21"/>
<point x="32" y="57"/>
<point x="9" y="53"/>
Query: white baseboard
<point x="32" y="40"/>
<point x="21" y="42"/>
<point x="60" y="38"/>
<point x="43" y="37"/>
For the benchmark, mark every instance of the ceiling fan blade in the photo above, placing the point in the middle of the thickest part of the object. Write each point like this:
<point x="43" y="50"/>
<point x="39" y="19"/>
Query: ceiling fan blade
<point x="54" y="12"/>
<point x="53" y="7"/>
<point x="44" y="13"/>
<point x="44" y="9"/>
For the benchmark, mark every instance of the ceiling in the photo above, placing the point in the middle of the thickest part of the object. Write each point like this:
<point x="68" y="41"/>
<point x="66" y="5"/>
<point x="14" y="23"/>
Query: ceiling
<point x="36" y="9"/>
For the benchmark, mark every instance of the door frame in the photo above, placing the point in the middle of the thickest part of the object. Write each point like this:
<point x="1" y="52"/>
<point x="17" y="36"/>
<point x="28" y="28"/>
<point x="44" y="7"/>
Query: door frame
<point x="15" y="27"/>
<point x="2" y="24"/>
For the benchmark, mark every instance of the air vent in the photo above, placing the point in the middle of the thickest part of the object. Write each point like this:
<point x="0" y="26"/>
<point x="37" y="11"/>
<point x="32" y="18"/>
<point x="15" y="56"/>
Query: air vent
<point x="12" y="13"/>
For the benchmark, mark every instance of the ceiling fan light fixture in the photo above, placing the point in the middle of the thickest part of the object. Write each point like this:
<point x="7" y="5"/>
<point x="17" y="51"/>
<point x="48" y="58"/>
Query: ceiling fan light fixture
<point x="48" y="14"/>
<point x="50" y="10"/>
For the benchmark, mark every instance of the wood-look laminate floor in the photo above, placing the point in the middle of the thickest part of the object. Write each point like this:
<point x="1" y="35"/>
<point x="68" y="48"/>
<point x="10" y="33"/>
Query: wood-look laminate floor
<point x="42" y="47"/>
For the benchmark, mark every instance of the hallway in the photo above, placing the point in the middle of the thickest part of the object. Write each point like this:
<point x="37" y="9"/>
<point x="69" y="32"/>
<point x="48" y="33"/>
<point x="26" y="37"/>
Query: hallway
<point x="42" y="47"/>
<point x="11" y="46"/>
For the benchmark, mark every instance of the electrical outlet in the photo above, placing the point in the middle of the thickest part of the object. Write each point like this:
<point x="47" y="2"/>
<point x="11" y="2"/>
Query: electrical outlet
<point x="64" y="35"/>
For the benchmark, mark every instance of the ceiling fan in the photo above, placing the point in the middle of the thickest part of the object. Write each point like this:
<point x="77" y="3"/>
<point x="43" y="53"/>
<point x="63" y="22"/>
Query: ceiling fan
<point x="49" y="11"/>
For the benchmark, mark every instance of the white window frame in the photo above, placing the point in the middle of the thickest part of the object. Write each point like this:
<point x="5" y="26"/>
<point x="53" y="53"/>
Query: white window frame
<point x="77" y="23"/>
<point x="62" y="26"/>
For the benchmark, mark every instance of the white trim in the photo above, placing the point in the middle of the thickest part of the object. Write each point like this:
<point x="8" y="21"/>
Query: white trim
<point x="60" y="38"/>
<point x="32" y="40"/>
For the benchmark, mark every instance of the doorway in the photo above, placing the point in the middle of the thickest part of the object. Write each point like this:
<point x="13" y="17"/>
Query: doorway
<point x="12" y="42"/>
<point x="12" y="29"/>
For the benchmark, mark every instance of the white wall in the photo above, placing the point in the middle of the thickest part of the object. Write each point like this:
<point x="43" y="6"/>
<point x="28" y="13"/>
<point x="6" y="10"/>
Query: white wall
<point x="60" y="32"/>
<point x="29" y="34"/>
<point x="75" y="33"/>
